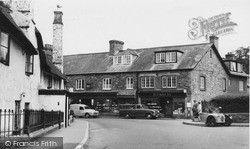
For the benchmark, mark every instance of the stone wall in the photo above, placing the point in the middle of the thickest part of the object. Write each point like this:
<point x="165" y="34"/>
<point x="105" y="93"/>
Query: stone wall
<point x="214" y="73"/>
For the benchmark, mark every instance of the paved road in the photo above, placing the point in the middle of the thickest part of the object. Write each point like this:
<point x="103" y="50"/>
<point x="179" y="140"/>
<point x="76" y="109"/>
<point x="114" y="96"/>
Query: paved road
<point x="109" y="133"/>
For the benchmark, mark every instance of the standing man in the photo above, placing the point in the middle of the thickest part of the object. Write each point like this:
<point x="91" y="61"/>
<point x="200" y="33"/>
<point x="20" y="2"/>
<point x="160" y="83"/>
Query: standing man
<point x="199" y="109"/>
<point x="195" y="110"/>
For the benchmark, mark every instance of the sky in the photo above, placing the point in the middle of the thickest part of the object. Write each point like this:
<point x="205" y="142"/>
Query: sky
<point x="90" y="24"/>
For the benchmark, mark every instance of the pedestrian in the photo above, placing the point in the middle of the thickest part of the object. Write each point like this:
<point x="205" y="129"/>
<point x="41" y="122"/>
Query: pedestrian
<point x="195" y="110"/>
<point x="199" y="110"/>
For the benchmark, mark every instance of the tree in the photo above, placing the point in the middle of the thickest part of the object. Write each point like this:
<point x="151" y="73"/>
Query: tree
<point x="242" y="55"/>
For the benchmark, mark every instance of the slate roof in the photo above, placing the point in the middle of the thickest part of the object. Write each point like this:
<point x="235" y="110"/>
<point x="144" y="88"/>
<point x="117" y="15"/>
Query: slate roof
<point x="145" y="61"/>
<point x="10" y="24"/>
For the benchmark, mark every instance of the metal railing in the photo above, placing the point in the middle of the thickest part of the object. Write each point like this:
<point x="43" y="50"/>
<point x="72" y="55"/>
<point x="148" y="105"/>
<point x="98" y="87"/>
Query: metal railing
<point x="27" y="121"/>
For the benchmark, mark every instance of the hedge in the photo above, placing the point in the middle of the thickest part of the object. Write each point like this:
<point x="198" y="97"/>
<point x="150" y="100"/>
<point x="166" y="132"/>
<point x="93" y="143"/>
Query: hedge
<point x="231" y="103"/>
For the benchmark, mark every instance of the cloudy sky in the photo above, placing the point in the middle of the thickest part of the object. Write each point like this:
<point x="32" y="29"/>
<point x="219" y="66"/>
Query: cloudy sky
<point x="90" y="24"/>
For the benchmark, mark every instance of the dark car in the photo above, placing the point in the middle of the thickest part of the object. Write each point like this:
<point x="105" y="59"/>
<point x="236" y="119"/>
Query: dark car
<point x="137" y="110"/>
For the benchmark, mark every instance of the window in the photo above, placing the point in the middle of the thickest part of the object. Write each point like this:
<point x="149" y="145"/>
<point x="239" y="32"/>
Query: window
<point x="80" y="84"/>
<point x="29" y="64"/>
<point x="171" y="57"/>
<point x="127" y="59"/>
<point x="4" y="48"/>
<point x="239" y="67"/>
<point x="202" y="83"/>
<point x="106" y="84"/>
<point x="148" y="82"/>
<point x="129" y="83"/>
<point x="160" y="58"/>
<point x="124" y="59"/>
<point x="241" y="86"/>
<point x="232" y="66"/>
<point x="169" y="81"/>
<point x="49" y="82"/>
<point x="224" y="84"/>
<point x="166" y="57"/>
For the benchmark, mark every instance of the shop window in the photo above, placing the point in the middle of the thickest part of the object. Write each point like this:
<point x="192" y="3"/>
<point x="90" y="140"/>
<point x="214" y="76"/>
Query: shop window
<point x="106" y="84"/>
<point x="129" y="83"/>
<point x="148" y="82"/>
<point x="4" y="48"/>
<point x="79" y="84"/>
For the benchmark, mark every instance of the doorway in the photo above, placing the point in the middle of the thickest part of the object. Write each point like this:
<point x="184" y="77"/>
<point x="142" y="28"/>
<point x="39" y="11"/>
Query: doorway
<point x="167" y="106"/>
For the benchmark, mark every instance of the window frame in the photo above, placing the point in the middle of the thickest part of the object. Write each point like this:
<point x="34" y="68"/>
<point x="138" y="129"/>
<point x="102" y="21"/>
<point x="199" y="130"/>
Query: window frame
<point x="202" y="83"/>
<point x="165" y="57"/>
<point x="6" y="61"/>
<point x="147" y="81"/>
<point x="129" y="83"/>
<point x="166" y="83"/>
<point x="241" y="86"/>
<point x="29" y="64"/>
<point x="224" y="84"/>
<point x="106" y="84"/>
<point x="80" y="84"/>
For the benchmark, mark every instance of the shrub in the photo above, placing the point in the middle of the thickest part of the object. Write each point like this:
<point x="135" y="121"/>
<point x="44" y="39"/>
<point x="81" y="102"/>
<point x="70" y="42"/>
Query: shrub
<point x="232" y="103"/>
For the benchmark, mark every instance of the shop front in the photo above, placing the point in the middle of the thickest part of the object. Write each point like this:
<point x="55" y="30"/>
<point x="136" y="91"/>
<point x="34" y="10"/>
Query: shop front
<point x="104" y="102"/>
<point x="169" y="103"/>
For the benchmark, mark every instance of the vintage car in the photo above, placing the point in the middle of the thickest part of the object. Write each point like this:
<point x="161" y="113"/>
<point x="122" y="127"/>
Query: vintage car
<point x="214" y="118"/>
<point x="137" y="110"/>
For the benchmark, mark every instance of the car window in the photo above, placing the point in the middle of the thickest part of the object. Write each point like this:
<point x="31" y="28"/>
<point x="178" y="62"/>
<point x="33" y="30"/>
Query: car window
<point x="81" y="108"/>
<point x="87" y="107"/>
<point x="138" y="107"/>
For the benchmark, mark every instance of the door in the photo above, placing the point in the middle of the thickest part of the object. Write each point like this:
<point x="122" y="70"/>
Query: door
<point x="17" y="115"/>
<point x="169" y="107"/>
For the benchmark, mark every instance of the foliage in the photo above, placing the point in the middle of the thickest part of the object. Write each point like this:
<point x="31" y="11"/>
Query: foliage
<point x="231" y="103"/>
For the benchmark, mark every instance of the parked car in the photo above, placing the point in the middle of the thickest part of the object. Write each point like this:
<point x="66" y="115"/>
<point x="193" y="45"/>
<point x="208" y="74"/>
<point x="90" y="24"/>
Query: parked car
<point x="215" y="118"/>
<point x="82" y="110"/>
<point x="137" y="110"/>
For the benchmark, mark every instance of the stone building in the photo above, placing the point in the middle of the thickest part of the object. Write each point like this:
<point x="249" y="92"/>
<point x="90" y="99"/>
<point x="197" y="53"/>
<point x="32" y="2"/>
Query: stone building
<point x="165" y="78"/>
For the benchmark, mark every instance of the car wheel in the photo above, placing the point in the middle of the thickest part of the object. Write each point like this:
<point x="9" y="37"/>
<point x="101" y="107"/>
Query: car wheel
<point x="211" y="122"/>
<point x="127" y="116"/>
<point x="87" y="115"/>
<point x="227" y="121"/>
<point x="148" y="116"/>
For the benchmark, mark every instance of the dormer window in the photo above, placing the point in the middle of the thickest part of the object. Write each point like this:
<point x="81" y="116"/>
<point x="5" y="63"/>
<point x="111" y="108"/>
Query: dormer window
<point x="122" y="60"/>
<point x="166" y="57"/>
<point x="236" y="67"/>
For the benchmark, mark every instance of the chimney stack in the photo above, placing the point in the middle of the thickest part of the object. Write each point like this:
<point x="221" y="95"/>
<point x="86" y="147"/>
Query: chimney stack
<point x="48" y="49"/>
<point x="58" y="39"/>
<point x="115" y="46"/>
<point x="230" y="56"/>
<point x="214" y="39"/>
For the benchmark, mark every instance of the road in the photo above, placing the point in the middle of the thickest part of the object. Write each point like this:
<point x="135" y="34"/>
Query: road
<point x="112" y="133"/>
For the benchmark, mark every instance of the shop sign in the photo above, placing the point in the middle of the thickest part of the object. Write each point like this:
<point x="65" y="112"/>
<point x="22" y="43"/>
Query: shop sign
<point x="218" y="25"/>
<point x="162" y="95"/>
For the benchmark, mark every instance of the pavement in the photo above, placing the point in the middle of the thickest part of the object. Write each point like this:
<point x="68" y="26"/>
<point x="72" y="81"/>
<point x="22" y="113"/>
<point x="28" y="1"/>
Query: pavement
<point x="74" y="136"/>
<point x="190" y="122"/>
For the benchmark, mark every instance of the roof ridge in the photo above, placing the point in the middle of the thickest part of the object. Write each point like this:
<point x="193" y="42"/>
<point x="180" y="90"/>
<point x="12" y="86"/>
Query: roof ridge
<point x="85" y="54"/>
<point x="173" y="46"/>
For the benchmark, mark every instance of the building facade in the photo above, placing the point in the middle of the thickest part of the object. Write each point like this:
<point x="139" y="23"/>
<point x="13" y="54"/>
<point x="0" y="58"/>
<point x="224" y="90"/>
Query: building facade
<point x="28" y="78"/>
<point x="164" y="78"/>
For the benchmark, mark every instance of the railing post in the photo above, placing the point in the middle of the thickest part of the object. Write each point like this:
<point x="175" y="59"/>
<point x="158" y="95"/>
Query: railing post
<point x="52" y="112"/>
<point x="59" y="121"/>
<point x="43" y="118"/>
